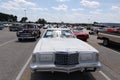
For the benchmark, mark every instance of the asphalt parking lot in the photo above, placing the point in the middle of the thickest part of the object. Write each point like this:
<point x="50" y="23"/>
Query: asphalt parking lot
<point x="15" y="57"/>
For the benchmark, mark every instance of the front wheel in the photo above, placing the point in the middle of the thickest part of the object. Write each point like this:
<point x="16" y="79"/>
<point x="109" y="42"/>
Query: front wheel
<point x="35" y="38"/>
<point x="105" y="42"/>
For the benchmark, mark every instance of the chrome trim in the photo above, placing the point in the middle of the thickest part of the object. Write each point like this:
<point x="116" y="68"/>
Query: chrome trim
<point x="51" y="67"/>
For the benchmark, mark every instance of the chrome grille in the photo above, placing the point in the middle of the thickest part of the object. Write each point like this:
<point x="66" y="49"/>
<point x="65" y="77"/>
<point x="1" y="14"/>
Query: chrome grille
<point x="66" y="58"/>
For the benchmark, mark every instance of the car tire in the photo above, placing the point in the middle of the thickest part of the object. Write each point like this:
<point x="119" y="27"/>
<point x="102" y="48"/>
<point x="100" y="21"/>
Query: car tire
<point x="85" y="40"/>
<point x="35" y="38"/>
<point x="105" y="42"/>
<point x="19" y="39"/>
<point x="39" y="36"/>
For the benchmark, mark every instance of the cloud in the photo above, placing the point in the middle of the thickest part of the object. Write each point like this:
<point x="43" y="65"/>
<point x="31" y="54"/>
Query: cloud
<point x="61" y="8"/>
<point x="78" y="9"/>
<point x="16" y="4"/>
<point x="25" y="2"/>
<point x="20" y="5"/>
<point x="96" y="11"/>
<point x="40" y="9"/>
<point x="92" y="4"/>
<point x="62" y="0"/>
<point x="115" y="7"/>
<point x="10" y="5"/>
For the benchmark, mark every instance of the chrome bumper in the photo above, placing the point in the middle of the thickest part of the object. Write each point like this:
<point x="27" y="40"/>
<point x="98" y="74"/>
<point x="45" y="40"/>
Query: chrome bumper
<point x="65" y="68"/>
<point x="26" y="37"/>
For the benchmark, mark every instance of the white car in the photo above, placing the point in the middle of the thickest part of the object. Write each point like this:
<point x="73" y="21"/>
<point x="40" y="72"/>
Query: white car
<point x="59" y="50"/>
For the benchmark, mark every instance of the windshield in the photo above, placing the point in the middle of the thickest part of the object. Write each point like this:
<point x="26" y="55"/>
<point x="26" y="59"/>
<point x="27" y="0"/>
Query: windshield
<point x="28" y="26"/>
<point x="58" y="33"/>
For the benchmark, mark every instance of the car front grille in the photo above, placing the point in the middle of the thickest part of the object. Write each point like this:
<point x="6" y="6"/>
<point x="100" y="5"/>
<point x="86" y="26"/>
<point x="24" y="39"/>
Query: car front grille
<point x="66" y="58"/>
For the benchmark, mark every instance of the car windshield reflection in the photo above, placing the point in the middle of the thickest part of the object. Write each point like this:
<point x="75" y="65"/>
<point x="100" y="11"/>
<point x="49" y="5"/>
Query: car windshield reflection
<point x="58" y="34"/>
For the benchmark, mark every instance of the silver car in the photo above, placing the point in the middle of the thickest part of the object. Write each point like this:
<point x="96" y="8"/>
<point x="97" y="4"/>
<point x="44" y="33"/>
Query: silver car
<point x="59" y="50"/>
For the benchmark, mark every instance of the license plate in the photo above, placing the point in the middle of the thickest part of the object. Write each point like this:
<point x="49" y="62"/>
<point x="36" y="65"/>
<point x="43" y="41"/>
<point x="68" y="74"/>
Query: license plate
<point x="25" y="35"/>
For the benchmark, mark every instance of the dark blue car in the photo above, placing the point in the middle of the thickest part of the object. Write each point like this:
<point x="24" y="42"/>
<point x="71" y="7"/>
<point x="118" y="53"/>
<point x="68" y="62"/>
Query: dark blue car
<point x="1" y="27"/>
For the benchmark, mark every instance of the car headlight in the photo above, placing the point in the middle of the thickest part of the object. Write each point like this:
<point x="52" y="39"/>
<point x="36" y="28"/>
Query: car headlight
<point x="46" y="57"/>
<point x="96" y="56"/>
<point x="86" y="57"/>
<point x="89" y="57"/>
<point x="34" y="58"/>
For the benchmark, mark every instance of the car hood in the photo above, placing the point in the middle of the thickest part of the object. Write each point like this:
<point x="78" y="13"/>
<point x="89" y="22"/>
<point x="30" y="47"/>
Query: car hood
<point x="59" y="44"/>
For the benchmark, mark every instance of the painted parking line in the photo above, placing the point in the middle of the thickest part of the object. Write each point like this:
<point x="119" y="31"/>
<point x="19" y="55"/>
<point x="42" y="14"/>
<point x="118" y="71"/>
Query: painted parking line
<point x="7" y="42"/>
<point x="23" y="69"/>
<point x="27" y="74"/>
<point x="102" y="73"/>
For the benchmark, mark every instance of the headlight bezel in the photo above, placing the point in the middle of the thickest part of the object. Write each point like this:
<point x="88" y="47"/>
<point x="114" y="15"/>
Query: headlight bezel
<point x="46" y="57"/>
<point x="34" y="59"/>
<point x="88" y="57"/>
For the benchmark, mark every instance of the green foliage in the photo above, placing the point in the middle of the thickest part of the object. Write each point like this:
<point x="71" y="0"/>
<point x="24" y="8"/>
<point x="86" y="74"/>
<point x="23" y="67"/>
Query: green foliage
<point x="7" y="17"/>
<point x="41" y="21"/>
<point x="95" y="22"/>
<point x="23" y="19"/>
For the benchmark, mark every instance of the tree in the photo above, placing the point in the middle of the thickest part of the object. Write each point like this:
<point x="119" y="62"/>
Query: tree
<point x="95" y="23"/>
<point x="41" y="21"/>
<point x="15" y="18"/>
<point x="7" y="17"/>
<point x="23" y="19"/>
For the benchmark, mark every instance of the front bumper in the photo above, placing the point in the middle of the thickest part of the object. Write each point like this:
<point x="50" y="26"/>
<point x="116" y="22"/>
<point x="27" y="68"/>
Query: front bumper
<point x="65" y="68"/>
<point x="26" y="37"/>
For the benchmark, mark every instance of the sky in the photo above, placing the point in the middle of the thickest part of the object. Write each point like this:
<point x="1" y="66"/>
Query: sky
<point x="68" y="11"/>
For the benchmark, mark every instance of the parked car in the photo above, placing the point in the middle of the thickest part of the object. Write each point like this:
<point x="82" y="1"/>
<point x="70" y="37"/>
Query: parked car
<point x="1" y="27"/>
<point x="15" y="27"/>
<point x="81" y="35"/>
<point x="45" y="26"/>
<point x="59" y="50"/>
<point x="113" y="29"/>
<point x="29" y="31"/>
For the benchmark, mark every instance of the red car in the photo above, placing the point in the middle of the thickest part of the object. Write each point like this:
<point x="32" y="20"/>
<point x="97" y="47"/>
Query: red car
<point x="81" y="35"/>
<point x="117" y="29"/>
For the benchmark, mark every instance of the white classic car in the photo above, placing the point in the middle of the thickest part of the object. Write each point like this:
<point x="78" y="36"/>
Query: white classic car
<point x="59" y="50"/>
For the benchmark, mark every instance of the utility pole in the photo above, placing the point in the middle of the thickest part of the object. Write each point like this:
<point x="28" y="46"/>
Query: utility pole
<point x="25" y="12"/>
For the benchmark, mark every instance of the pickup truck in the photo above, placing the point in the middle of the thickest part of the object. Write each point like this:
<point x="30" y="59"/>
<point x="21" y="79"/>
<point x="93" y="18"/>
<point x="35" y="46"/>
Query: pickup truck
<point x="109" y="37"/>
